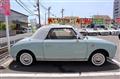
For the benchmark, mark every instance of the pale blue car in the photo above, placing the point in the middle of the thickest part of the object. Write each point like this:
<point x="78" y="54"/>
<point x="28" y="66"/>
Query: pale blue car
<point x="62" y="43"/>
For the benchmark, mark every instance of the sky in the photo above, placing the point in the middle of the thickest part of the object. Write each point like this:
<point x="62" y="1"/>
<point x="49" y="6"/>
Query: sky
<point x="81" y="8"/>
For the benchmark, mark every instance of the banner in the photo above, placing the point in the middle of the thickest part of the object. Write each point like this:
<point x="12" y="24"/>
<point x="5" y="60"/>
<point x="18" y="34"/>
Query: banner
<point x="117" y="20"/>
<point x="5" y="7"/>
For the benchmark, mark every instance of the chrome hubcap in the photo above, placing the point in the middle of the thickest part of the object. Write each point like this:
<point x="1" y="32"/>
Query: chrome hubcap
<point x="26" y="59"/>
<point x="98" y="59"/>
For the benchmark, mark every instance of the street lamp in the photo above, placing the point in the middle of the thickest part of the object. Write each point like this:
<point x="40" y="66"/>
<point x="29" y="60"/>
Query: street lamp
<point x="38" y="8"/>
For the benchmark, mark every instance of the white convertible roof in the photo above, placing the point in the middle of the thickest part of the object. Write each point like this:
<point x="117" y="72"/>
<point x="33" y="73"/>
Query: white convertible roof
<point x="42" y="32"/>
<point x="57" y="26"/>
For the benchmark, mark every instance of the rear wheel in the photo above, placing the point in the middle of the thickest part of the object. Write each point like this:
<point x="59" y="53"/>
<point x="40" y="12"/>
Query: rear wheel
<point x="98" y="59"/>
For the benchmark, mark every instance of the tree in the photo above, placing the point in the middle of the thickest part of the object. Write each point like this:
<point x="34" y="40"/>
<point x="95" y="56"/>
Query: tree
<point x="2" y="26"/>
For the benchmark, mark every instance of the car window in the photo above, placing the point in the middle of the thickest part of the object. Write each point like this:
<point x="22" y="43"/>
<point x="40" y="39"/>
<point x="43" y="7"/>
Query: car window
<point x="61" y="33"/>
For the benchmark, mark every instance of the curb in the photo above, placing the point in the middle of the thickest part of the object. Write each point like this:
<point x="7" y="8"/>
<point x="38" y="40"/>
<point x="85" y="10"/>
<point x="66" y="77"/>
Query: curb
<point x="5" y="63"/>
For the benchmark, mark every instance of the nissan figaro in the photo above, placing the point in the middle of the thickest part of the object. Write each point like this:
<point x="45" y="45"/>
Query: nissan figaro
<point x="62" y="43"/>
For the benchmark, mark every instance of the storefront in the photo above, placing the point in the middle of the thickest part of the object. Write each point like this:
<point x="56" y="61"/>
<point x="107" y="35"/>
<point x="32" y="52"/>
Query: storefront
<point x="16" y="21"/>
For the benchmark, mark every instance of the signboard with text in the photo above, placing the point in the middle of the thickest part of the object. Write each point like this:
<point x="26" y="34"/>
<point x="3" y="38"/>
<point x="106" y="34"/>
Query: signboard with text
<point x="86" y="21"/>
<point x="98" y="21"/>
<point x="117" y="20"/>
<point x="70" y="20"/>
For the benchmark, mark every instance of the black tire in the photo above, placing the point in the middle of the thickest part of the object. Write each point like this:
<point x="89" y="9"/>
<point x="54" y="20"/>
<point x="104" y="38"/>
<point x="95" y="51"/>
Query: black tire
<point x="28" y="58"/>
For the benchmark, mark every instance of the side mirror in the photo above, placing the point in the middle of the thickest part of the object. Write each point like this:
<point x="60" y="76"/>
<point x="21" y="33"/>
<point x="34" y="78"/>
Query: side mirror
<point x="77" y="36"/>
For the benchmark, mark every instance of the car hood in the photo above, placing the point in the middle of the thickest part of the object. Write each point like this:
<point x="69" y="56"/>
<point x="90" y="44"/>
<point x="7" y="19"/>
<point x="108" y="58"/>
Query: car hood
<point x="25" y="40"/>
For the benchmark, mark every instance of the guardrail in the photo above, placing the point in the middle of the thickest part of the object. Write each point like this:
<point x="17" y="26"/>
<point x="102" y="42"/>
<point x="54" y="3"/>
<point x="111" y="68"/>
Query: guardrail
<point x="4" y="55"/>
<point x="4" y="48"/>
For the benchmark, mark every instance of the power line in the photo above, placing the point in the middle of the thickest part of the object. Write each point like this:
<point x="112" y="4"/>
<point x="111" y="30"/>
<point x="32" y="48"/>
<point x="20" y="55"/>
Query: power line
<point x="47" y="10"/>
<point x="43" y="7"/>
<point x="23" y="7"/>
<point x="27" y="7"/>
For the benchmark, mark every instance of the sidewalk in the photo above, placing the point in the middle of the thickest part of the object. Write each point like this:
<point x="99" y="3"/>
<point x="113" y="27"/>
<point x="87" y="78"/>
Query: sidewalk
<point x="16" y="37"/>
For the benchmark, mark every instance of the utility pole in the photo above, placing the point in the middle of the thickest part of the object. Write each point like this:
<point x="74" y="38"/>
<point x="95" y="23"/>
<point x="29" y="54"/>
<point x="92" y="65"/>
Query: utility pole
<point x="62" y="11"/>
<point x="49" y="8"/>
<point x="38" y="8"/>
<point x="45" y="18"/>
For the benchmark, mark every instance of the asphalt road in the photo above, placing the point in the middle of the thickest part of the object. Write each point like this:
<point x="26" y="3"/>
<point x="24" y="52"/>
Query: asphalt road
<point x="66" y="70"/>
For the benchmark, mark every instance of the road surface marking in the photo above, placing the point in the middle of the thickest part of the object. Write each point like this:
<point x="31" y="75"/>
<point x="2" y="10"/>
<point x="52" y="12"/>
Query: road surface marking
<point x="61" y="75"/>
<point x="38" y="75"/>
<point x="100" y="74"/>
<point x="118" y="63"/>
<point x="51" y="75"/>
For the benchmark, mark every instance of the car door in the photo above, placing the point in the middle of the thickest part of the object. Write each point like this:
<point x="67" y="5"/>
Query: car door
<point x="62" y="44"/>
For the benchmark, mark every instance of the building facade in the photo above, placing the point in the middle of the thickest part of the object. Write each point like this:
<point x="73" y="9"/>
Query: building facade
<point x="16" y="18"/>
<point x="116" y="11"/>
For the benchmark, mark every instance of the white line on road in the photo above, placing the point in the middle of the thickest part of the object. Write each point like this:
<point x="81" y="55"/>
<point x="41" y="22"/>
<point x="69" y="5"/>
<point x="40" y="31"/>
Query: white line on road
<point x="38" y="75"/>
<point x="115" y="61"/>
<point x="52" y="75"/>
<point x="95" y="74"/>
<point x="61" y="75"/>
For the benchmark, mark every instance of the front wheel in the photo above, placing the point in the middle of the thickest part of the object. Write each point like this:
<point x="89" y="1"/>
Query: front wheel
<point x="98" y="59"/>
<point x="26" y="59"/>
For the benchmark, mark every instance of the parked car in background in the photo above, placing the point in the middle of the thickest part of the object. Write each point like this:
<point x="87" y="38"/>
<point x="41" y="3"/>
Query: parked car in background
<point x="90" y="30"/>
<point x="113" y="31"/>
<point x="29" y="30"/>
<point x="82" y="31"/>
<point x="102" y="30"/>
<point x="62" y="43"/>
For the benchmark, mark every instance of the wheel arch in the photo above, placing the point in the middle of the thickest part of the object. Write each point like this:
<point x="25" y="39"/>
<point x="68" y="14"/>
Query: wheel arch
<point x="103" y="51"/>
<point x="22" y="51"/>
